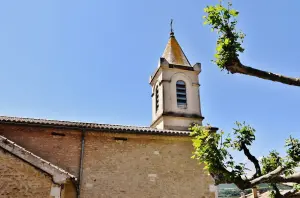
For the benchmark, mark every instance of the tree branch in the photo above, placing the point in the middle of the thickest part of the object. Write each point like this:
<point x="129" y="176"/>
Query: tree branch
<point x="252" y="159"/>
<point x="267" y="177"/>
<point x="292" y="178"/>
<point x="276" y="177"/>
<point x="277" y="191"/>
<point x="290" y="193"/>
<point x="238" y="67"/>
<point x="227" y="177"/>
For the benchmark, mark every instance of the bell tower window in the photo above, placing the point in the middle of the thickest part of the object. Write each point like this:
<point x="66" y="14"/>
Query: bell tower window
<point x="156" y="98"/>
<point x="181" y="94"/>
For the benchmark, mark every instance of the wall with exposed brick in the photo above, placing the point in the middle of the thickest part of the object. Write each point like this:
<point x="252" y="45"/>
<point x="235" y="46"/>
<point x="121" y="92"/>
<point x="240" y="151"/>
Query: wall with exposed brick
<point x="59" y="150"/>
<point x="142" y="166"/>
<point x="19" y="179"/>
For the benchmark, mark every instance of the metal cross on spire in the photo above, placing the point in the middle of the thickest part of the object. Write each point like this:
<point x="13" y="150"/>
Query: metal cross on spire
<point x="171" y="25"/>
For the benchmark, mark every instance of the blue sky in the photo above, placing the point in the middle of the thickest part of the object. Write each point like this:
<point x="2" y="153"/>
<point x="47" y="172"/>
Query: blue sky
<point x="91" y="61"/>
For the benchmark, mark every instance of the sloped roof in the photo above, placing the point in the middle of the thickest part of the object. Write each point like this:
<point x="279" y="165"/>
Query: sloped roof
<point x="174" y="54"/>
<point x="92" y="126"/>
<point x="59" y="175"/>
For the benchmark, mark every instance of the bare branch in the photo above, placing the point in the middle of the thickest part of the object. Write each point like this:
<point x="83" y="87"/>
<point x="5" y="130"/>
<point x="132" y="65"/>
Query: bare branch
<point x="266" y="178"/>
<point x="275" y="177"/>
<point x="272" y="177"/>
<point x="238" y="67"/>
<point x="252" y="159"/>
<point x="292" y="178"/>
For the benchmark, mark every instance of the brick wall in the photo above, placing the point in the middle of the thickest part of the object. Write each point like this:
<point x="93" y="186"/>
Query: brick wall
<point x="19" y="179"/>
<point x="142" y="166"/>
<point x="59" y="150"/>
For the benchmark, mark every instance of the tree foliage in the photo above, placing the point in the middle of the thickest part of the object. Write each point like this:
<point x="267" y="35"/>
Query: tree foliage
<point x="223" y="20"/>
<point x="213" y="149"/>
<point x="229" y="43"/>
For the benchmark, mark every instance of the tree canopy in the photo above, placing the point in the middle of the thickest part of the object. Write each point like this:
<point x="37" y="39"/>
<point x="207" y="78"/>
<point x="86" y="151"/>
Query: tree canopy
<point x="213" y="148"/>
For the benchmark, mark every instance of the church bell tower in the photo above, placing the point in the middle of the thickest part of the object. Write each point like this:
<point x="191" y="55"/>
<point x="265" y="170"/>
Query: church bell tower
<point x="175" y="90"/>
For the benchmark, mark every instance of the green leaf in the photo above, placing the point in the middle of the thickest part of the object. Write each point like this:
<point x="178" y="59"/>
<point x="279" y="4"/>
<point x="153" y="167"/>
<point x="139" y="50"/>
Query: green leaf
<point x="226" y="41"/>
<point x="234" y="13"/>
<point x="223" y="21"/>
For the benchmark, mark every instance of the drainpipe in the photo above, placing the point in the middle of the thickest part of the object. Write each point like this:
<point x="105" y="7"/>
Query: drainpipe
<point x="81" y="163"/>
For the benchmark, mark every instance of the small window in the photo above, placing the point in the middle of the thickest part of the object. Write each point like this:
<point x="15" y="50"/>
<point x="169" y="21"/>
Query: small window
<point x="156" y="98"/>
<point x="181" y="94"/>
<point x="120" y="138"/>
<point x="58" y="134"/>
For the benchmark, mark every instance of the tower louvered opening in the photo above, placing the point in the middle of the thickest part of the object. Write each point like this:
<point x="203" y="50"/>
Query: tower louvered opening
<point x="181" y="94"/>
<point x="157" y="98"/>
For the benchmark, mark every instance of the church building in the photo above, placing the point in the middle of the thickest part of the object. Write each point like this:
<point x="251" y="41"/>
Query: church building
<point x="62" y="159"/>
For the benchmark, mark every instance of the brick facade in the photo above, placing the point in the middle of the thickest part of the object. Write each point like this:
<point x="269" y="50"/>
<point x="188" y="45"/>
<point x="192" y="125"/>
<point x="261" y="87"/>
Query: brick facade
<point x="19" y="179"/>
<point x="60" y="150"/>
<point x="141" y="166"/>
<point x="119" y="164"/>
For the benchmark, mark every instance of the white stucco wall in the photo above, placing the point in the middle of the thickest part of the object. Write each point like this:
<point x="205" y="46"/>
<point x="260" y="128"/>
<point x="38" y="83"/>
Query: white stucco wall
<point x="192" y="90"/>
<point x="165" y="80"/>
<point x="179" y="123"/>
<point x="156" y="85"/>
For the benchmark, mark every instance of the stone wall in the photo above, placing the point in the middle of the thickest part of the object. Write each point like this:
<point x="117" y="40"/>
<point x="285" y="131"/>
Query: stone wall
<point x="19" y="179"/>
<point x="58" y="146"/>
<point x="141" y="166"/>
<point x="119" y="165"/>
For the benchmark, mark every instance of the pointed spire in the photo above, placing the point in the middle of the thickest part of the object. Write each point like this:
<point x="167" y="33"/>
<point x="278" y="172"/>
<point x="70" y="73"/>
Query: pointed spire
<point x="173" y="52"/>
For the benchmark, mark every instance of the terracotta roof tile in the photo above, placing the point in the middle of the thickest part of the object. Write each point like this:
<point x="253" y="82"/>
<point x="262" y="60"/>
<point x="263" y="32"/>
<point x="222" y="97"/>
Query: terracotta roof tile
<point x="92" y="126"/>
